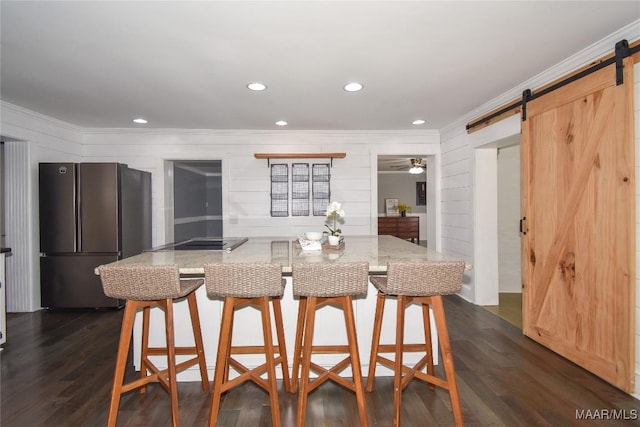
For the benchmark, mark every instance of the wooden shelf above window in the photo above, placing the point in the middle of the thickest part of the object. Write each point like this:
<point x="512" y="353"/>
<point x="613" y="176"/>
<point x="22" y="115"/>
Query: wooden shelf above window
<point x="270" y="156"/>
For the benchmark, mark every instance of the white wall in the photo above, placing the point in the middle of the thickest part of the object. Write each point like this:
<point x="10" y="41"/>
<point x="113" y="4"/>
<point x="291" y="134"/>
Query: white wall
<point x="401" y="186"/>
<point x="509" y="269"/>
<point x="33" y="138"/>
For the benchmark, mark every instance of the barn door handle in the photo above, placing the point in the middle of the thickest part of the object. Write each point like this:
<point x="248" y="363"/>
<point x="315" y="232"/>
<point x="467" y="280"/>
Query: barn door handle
<point x="523" y="225"/>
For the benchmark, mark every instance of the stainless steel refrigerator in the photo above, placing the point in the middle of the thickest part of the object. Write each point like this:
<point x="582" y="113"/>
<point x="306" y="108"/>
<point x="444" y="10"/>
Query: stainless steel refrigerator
<point x="90" y="214"/>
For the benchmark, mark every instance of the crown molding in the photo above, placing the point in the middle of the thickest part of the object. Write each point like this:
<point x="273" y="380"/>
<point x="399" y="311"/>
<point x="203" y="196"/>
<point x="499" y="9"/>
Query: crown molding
<point x="5" y="106"/>
<point x="233" y="132"/>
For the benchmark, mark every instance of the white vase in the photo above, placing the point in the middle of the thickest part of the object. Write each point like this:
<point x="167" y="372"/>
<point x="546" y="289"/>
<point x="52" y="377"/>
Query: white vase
<point x="334" y="240"/>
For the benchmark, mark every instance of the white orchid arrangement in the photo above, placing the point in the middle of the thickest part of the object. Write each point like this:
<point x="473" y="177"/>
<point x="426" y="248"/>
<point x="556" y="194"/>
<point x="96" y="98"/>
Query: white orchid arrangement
<point x="334" y="211"/>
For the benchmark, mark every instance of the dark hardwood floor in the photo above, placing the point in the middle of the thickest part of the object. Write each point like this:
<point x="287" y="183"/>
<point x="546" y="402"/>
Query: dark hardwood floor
<point x="56" y="370"/>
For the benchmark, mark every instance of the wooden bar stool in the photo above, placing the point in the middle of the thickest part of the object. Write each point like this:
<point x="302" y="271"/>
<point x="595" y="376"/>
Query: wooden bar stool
<point x="253" y="285"/>
<point x="424" y="284"/>
<point x="318" y="285"/>
<point x="143" y="287"/>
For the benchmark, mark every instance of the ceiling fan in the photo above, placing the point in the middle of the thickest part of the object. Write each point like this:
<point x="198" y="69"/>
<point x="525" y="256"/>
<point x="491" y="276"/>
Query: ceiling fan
<point x="417" y="167"/>
<point x="399" y="163"/>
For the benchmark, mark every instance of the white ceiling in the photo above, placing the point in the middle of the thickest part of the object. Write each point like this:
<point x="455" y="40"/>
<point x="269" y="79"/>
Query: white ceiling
<point x="186" y="64"/>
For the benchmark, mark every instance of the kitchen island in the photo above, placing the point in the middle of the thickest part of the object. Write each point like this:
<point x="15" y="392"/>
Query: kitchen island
<point x="376" y="250"/>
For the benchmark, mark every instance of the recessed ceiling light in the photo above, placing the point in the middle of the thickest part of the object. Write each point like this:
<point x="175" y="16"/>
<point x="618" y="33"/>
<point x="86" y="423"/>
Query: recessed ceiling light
<point x="353" y="87"/>
<point x="140" y="120"/>
<point x="418" y="122"/>
<point x="281" y="123"/>
<point x="256" y="86"/>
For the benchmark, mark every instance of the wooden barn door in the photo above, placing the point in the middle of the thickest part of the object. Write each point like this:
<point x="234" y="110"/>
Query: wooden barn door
<point x="578" y="200"/>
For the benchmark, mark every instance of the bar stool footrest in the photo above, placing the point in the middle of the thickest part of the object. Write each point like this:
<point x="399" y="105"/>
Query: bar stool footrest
<point x="430" y="379"/>
<point x="406" y="348"/>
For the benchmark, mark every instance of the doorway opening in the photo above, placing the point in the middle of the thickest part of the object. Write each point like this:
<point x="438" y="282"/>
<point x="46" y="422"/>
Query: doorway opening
<point x="197" y="199"/>
<point x="497" y="235"/>
<point x="394" y="181"/>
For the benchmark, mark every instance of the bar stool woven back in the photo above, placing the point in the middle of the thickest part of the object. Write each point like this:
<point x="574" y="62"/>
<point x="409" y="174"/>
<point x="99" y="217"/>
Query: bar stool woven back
<point x="143" y="287"/>
<point x="421" y="279"/>
<point x="330" y="280"/>
<point x="145" y="282"/>
<point x="244" y="280"/>
<point x="253" y="285"/>
<point x="319" y="284"/>
<point x="422" y="283"/>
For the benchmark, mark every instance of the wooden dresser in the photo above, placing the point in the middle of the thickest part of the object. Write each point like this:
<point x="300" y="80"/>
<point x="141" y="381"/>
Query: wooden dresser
<point x="404" y="227"/>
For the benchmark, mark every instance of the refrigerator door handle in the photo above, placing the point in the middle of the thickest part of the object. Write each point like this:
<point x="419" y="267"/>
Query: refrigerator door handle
<point x="78" y="209"/>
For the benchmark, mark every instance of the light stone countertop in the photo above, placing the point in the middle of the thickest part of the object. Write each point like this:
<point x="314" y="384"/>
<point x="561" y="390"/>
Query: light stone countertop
<point x="376" y="250"/>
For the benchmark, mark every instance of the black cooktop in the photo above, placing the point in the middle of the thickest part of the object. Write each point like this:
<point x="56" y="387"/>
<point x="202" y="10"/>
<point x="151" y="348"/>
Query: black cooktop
<point x="209" y="244"/>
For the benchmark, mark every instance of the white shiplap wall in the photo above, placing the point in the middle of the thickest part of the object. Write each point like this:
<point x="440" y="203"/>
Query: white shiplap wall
<point x="245" y="179"/>
<point x="508" y="216"/>
<point x="33" y="138"/>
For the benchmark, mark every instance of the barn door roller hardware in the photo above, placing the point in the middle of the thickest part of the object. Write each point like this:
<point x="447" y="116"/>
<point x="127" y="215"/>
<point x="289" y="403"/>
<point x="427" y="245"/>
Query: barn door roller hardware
<point x="526" y="97"/>
<point x="622" y="51"/>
